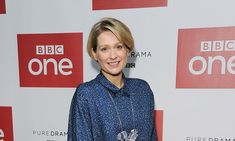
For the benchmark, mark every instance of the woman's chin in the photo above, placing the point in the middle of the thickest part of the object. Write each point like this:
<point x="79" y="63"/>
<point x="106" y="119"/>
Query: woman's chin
<point x="113" y="72"/>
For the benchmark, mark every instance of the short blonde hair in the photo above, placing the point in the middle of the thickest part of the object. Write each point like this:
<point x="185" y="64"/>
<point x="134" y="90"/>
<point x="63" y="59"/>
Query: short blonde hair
<point x="119" y="29"/>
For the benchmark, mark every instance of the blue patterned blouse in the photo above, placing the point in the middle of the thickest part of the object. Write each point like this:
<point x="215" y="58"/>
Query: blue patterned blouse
<point x="98" y="106"/>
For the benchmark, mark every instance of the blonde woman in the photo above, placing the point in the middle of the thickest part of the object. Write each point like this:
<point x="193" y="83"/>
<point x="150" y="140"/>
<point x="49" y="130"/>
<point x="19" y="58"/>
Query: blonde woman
<point x="112" y="107"/>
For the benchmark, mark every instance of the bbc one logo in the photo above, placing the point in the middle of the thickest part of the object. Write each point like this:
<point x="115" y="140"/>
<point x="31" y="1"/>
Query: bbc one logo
<point x="50" y="60"/>
<point x="43" y="65"/>
<point x="206" y="58"/>
<point x="6" y="126"/>
<point x="207" y="63"/>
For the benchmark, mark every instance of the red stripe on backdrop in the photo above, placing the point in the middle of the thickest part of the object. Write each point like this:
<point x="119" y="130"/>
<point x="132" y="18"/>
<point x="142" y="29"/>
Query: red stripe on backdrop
<point x="122" y="4"/>
<point x="159" y="123"/>
<point x="2" y="7"/>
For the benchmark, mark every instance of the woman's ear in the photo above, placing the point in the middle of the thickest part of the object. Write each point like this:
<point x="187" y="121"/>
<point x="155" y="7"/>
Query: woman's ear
<point x="128" y="53"/>
<point x="94" y="56"/>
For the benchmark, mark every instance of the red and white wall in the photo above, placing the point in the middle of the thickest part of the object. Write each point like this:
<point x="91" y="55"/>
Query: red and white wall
<point x="184" y="49"/>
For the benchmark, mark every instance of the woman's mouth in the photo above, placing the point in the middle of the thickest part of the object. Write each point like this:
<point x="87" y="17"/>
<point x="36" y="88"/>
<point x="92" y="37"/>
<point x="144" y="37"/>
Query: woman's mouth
<point x="113" y="63"/>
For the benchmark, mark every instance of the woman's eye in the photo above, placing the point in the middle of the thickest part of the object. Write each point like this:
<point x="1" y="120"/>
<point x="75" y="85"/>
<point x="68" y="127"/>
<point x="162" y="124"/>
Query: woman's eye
<point x="120" y="46"/>
<point x="103" y="49"/>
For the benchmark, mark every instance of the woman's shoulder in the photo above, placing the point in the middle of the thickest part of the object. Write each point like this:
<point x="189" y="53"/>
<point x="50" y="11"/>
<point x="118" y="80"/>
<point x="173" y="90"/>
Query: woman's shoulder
<point x="87" y="85"/>
<point x="86" y="89"/>
<point x="137" y="81"/>
<point x="139" y="87"/>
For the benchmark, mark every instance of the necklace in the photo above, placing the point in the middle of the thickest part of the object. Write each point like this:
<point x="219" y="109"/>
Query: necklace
<point x="123" y="135"/>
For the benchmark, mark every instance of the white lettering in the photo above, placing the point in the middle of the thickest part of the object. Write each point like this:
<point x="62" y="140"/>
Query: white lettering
<point x="207" y="64"/>
<point x="38" y="62"/>
<point x="231" y="65"/>
<point x="59" y="49"/>
<point x="220" y="45"/>
<point x="40" y="50"/>
<point x="230" y="45"/>
<point x="203" y="68"/>
<point x="206" y="46"/>
<point x="212" y="59"/>
<point x="1" y="135"/>
<point x="217" y="45"/>
<point x="68" y="66"/>
<point x="45" y="63"/>
<point x="64" y="66"/>
<point x="49" y="50"/>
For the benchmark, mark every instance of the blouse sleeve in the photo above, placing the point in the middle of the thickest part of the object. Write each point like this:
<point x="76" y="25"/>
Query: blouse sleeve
<point x="79" y="125"/>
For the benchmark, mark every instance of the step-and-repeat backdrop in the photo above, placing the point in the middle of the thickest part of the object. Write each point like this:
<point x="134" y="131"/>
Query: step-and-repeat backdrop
<point x="185" y="50"/>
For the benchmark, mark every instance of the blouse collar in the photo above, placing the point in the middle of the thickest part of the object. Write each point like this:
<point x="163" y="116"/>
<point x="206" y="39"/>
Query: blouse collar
<point x="114" y="90"/>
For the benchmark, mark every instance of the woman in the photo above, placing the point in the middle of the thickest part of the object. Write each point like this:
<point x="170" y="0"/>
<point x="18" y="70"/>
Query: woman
<point x="112" y="107"/>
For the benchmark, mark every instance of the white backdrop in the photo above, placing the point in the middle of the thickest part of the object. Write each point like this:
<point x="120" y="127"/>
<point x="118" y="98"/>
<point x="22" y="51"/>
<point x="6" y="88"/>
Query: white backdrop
<point x="41" y="114"/>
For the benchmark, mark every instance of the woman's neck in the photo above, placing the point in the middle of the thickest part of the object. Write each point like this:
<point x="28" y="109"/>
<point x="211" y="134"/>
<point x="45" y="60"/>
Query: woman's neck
<point x="117" y="80"/>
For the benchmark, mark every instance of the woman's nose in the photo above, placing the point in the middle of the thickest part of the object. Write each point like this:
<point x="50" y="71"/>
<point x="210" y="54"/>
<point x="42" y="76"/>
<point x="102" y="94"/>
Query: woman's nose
<point x="113" y="54"/>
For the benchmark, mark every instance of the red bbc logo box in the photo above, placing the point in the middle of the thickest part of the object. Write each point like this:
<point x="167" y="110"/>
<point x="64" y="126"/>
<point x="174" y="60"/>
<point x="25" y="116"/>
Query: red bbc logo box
<point x="50" y="60"/>
<point x="206" y="58"/>
<point x="6" y="126"/>
<point x="159" y="124"/>
<point x="123" y="4"/>
<point x="2" y="7"/>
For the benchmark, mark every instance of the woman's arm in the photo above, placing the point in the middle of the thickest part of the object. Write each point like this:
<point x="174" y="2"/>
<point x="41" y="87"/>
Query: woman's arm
<point x="79" y="126"/>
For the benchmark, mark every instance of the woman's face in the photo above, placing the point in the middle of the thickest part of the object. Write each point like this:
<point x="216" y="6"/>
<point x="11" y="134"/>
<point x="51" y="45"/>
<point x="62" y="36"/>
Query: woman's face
<point x="111" y="54"/>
